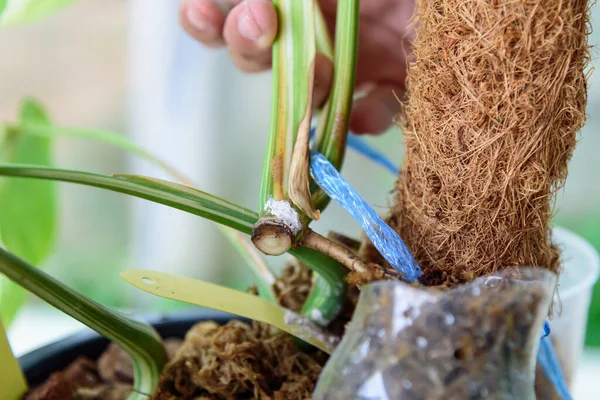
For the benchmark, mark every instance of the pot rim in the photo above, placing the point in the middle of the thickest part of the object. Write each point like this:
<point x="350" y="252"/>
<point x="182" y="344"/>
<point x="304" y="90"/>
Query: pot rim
<point x="37" y="365"/>
<point x="569" y="239"/>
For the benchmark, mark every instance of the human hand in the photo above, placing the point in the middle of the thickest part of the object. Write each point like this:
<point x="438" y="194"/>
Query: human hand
<point x="248" y="28"/>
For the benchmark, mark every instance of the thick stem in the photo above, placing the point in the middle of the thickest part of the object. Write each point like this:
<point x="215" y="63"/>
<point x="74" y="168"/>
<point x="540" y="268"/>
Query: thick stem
<point x="343" y="255"/>
<point x="272" y="237"/>
<point x="276" y="231"/>
<point x="329" y="292"/>
<point x="345" y="241"/>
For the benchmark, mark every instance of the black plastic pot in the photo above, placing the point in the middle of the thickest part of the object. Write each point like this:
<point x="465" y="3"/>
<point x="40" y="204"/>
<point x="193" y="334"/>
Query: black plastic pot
<point x="41" y="363"/>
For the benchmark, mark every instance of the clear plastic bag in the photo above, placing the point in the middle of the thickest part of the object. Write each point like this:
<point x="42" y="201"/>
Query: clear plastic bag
<point x="476" y="341"/>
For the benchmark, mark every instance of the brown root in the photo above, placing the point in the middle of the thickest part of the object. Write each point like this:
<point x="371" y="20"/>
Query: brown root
<point x="497" y="94"/>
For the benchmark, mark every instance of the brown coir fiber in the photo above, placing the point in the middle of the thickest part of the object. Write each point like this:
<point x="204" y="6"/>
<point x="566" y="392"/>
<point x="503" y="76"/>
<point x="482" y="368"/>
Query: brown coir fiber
<point x="496" y="95"/>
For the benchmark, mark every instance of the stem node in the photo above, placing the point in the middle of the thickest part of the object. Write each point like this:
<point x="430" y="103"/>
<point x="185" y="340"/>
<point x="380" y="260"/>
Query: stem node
<point x="276" y="231"/>
<point x="272" y="237"/>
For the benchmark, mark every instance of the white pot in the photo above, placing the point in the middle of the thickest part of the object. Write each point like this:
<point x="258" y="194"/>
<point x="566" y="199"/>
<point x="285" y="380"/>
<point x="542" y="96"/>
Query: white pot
<point x="581" y="268"/>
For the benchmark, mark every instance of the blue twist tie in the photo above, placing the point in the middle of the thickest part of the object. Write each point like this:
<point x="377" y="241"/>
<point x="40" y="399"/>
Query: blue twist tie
<point x="361" y="146"/>
<point x="391" y="246"/>
<point x="546" y="330"/>
<point x="549" y="362"/>
<point x="384" y="238"/>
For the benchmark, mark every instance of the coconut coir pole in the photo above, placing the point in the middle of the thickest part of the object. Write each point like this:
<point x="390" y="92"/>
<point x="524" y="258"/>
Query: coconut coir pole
<point x="496" y="95"/>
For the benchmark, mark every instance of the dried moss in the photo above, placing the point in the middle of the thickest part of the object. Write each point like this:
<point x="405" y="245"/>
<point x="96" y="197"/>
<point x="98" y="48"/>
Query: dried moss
<point x="240" y="361"/>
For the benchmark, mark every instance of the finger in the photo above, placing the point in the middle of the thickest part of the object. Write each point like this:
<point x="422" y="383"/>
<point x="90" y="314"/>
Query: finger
<point x="203" y="20"/>
<point x="323" y="80"/>
<point x="250" y="29"/>
<point x="375" y="113"/>
<point x="251" y="64"/>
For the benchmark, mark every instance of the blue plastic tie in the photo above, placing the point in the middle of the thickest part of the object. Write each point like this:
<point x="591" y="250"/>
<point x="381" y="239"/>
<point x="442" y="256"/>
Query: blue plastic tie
<point x="391" y="246"/>
<point x="361" y="146"/>
<point x="384" y="238"/>
<point x="549" y="362"/>
<point x="546" y="330"/>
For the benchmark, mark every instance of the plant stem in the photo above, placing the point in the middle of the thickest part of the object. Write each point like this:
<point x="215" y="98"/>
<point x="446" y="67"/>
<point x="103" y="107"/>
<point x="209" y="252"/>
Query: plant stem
<point x="277" y="229"/>
<point x="139" y="340"/>
<point x="202" y="204"/>
<point x="276" y="157"/>
<point x="263" y="276"/>
<point x="287" y="155"/>
<point x="344" y="255"/>
<point x="341" y="254"/>
<point x="329" y="292"/>
<point x="332" y="129"/>
<point x="350" y="243"/>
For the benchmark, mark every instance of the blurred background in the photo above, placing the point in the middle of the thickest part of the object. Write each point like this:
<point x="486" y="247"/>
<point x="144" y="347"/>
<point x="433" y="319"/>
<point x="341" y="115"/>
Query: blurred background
<point x="127" y="66"/>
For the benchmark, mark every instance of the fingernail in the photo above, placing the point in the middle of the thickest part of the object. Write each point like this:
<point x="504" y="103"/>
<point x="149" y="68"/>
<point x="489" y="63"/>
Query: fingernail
<point x="248" y="26"/>
<point x="197" y="18"/>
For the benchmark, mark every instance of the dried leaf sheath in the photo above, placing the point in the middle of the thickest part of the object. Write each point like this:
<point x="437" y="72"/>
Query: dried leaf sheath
<point x="300" y="40"/>
<point x="299" y="168"/>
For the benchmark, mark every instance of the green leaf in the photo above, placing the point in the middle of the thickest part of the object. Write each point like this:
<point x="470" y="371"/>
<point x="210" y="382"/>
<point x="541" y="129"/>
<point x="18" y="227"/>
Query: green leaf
<point x="139" y="340"/>
<point x="27" y="208"/>
<point x="263" y="276"/>
<point x="163" y="192"/>
<point x="291" y="102"/>
<point x="328" y="297"/>
<point x="13" y="12"/>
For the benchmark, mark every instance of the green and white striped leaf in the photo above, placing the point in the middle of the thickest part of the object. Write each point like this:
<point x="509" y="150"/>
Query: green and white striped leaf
<point x="327" y="297"/>
<point x="139" y="340"/>
<point x="285" y="171"/>
<point x="159" y="191"/>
